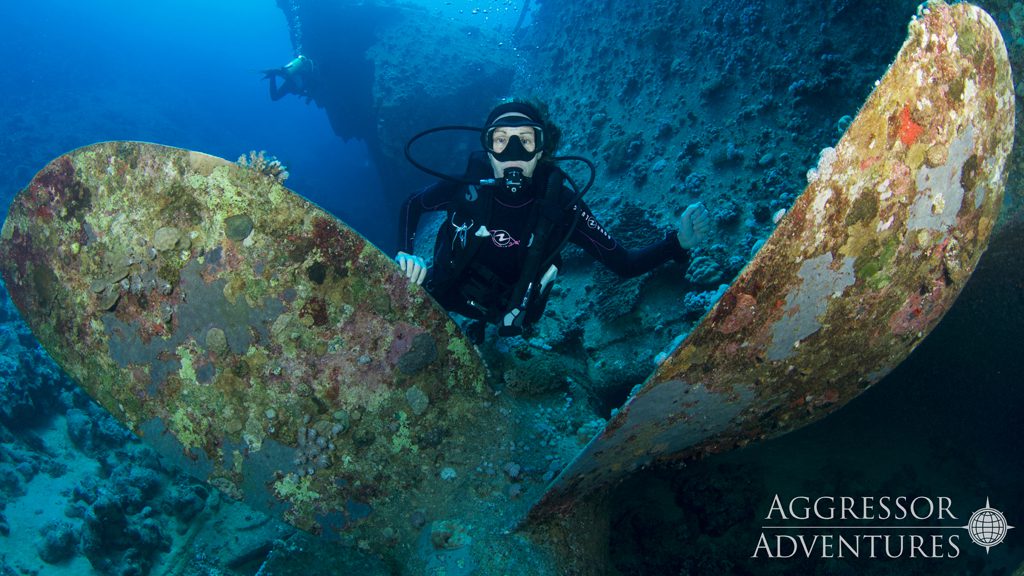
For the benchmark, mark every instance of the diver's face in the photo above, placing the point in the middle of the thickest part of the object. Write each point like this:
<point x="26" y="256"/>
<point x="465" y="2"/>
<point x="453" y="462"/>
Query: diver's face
<point x="500" y="140"/>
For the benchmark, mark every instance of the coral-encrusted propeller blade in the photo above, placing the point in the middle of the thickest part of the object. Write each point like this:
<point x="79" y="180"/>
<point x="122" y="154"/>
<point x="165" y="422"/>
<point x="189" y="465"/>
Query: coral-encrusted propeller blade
<point x="248" y="335"/>
<point x="861" y="269"/>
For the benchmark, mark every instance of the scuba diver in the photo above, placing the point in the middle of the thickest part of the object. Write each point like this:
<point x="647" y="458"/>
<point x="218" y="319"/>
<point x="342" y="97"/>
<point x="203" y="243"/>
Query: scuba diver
<point x="497" y="254"/>
<point x="297" y="77"/>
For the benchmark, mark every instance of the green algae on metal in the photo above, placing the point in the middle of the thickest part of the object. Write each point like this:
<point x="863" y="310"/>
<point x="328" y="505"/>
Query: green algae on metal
<point x="862" y="267"/>
<point x="250" y="336"/>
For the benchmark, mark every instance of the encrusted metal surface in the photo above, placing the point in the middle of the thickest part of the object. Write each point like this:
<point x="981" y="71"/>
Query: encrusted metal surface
<point x="863" y="266"/>
<point x="248" y="335"/>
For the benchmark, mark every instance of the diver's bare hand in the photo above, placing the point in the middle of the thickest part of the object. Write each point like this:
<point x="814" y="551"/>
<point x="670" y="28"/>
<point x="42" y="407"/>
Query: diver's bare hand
<point x="694" y="226"/>
<point x="414" y="267"/>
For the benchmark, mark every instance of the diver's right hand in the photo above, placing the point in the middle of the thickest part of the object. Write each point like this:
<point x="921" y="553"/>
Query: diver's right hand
<point x="414" y="267"/>
<point x="694" y="226"/>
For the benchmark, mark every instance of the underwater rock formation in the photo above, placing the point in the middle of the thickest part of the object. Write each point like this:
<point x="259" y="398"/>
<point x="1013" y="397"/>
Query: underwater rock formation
<point x="58" y="542"/>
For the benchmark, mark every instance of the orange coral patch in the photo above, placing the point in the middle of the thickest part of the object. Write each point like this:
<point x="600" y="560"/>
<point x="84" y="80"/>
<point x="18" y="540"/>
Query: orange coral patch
<point x="909" y="130"/>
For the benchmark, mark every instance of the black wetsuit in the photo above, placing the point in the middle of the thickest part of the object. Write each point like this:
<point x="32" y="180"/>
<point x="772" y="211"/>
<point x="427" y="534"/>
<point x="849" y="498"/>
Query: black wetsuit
<point x="291" y="83"/>
<point x="480" y="287"/>
<point x="297" y="77"/>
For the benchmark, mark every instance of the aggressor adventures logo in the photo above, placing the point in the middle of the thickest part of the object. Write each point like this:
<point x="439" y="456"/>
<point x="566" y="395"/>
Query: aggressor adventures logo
<point x="987" y="527"/>
<point x="874" y="527"/>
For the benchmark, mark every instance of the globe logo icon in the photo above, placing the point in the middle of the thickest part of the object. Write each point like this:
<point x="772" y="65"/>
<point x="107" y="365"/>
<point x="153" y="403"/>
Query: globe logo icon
<point x="987" y="527"/>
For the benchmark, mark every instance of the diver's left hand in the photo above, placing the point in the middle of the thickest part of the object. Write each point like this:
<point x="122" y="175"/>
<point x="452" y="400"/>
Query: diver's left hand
<point x="414" y="267"/>
<point x="694" y="226"/>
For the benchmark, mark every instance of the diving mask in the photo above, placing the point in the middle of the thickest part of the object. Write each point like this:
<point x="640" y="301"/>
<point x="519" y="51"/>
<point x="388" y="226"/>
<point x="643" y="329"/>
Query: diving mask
<point x="513" y="137"/>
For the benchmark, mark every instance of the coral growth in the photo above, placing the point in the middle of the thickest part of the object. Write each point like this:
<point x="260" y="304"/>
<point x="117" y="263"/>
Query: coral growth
<point x="266" y="165"/>
<point x="58" y="542"/>
<point x="122" y="532"/>
<point x="32" y="384"/>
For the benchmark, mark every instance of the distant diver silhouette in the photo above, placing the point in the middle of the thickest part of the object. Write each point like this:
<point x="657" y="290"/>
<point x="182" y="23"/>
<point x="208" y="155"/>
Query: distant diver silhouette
<point x="298" y="77"/>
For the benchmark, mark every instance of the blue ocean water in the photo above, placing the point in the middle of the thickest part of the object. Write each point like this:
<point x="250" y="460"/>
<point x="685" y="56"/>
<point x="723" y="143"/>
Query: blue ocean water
<point x="182" y="73"/>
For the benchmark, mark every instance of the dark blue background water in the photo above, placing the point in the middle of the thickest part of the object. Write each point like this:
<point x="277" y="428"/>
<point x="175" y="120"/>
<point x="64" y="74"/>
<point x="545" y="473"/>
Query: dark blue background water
<point x="184" y="73"/>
